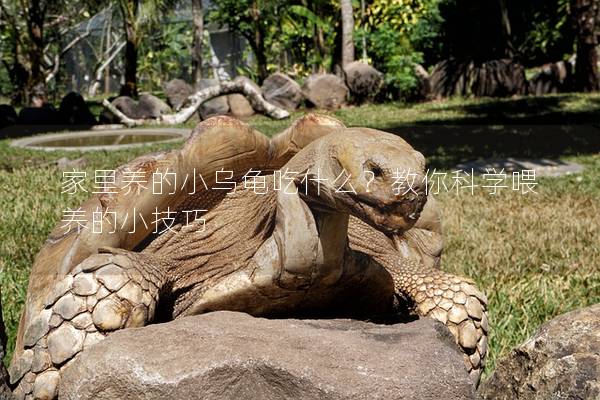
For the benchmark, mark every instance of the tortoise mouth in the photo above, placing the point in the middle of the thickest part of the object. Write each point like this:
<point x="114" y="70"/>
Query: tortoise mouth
<point x="394" y="217"/>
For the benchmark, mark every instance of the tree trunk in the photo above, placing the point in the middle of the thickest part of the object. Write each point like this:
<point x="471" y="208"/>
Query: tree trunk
<point x="258" y="44"/>
<point x="347" y="32"/>
<point x="198" y="21"/>
<point x="35" y="27"/>
<point x="584" y="14"/>
<point x="506" y="30"/>
<point x="131" y="48"/>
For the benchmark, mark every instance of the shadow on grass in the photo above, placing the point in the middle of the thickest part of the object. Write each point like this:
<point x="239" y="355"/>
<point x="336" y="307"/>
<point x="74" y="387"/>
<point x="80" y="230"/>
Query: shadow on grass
<point x="532" y="127"/>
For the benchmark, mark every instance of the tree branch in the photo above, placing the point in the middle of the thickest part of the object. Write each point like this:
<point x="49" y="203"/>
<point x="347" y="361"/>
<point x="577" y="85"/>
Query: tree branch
<point x="196" y="100"/>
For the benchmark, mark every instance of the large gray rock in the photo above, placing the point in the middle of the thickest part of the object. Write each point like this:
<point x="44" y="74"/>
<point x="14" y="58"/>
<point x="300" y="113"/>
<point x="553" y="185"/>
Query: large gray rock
<point x="239" y="106"/>
<point x="282" y="91"/>
<point x="326" y="91"/>
<point x="227" y="355"/>
<point x="177" y="91"/>
<point x="561" y="361"/>
<point x="363" y="80"/>
<point x="150" y="106"/>
<point x="214" y="106"/>
<point x="147" y="107"/>
<point x="75" y="111"/>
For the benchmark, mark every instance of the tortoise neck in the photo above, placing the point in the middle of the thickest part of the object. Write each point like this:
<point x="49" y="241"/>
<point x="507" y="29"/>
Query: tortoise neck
<point x="333" y="238"/>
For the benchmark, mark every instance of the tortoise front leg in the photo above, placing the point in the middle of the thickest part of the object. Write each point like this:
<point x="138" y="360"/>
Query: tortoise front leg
<point x="450" y="299"/>
<point x="106" y="292"/>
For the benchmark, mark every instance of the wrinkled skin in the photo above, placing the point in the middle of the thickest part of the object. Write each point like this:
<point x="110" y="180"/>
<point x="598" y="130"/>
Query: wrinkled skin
<point x="349" y="235"/>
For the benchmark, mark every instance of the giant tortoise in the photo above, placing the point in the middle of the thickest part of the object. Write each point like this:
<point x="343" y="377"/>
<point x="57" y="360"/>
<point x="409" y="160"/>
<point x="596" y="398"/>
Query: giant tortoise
<point x="315" y="226"/>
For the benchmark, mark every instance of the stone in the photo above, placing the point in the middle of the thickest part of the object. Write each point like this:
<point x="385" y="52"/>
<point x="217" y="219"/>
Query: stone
<point x="552" y="78"/>
<point x="64" y="343"/>
<point x="239" y="106"/>
<point x="127" y="106"/>
<point x="325" y="91"/>
<point x="8" y="115"/>
<point x="69" y="306"/>
<point x="74" y="111"/>
<point x="287" y="358"/>
<point x="214" y="106"/>
<point x="177" y="92"/>
<point x="560" y="361"/>
<point x="150" y="106"/>
<point x="363" y="80"/>
<point x="541" y="167"/>
<point x="46" y="385"/>
<point x="282" y="91"/>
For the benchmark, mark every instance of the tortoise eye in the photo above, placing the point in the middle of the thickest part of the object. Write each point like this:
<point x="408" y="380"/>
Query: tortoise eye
<point x="377" y="172"/>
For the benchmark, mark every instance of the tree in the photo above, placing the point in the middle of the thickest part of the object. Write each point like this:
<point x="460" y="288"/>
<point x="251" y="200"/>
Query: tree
<point x="35" y="28"/>
<point x="584" y="14"/>
<point x="198" y="34"/>
<point x="136" y="16"/>
<point x="347" y="32"/>
<point x="255" y="20"/>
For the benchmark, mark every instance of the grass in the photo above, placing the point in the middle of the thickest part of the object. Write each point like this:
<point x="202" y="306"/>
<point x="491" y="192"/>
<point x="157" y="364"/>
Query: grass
<point x="536" y="255"/>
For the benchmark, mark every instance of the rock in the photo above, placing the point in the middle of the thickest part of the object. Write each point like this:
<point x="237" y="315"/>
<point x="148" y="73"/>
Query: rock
<point x="8" y="116"/>
<point x="423" y="91"/>
<point x="150" y="107"/>
<point x="127" y="106"/>
<point x="495" y="78"/>
<point x="363" y="80"/>
<point x="239" y="106"/>
<point x="325" y="91"/>
<point x="228" y="355"/>
<point x="46" y="115"/>
<point x="552" y="78"/>
<point x="177" y="92"/>
<point x="215" y="106"/>
<point x="75" y="111"/>
<point x="560" y="361"/>
<point x="282" y="91"/>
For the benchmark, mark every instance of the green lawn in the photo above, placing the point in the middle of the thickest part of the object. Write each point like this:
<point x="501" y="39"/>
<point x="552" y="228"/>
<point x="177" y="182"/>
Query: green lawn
<point x="536" y="256"/>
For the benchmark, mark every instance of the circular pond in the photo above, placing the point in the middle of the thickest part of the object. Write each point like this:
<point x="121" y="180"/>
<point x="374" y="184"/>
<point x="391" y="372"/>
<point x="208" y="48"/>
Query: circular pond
<point x="109" y="139"/>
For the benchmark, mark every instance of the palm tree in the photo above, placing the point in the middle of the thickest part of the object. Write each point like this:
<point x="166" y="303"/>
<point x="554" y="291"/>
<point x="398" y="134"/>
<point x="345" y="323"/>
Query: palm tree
<point x="347" y="32"/>
<point x="136" y="16"/>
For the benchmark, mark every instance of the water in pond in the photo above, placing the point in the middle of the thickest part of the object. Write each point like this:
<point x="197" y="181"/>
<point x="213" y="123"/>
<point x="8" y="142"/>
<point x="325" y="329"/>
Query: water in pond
<point x="103" y="140"/>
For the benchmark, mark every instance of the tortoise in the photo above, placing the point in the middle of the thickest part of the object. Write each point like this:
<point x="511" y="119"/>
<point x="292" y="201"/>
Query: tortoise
<point x="318" y="227"/>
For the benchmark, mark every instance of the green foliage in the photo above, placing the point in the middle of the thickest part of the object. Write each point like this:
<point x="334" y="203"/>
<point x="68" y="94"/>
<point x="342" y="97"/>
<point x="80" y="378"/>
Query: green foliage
<point x="165" y="54"/>
<point x="392" y="29"/>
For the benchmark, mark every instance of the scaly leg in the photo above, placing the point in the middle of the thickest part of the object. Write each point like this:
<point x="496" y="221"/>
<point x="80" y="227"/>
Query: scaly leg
<point x="412" y="259"/>
<point x="452" y="300"/>
<point x="107" y="291"/>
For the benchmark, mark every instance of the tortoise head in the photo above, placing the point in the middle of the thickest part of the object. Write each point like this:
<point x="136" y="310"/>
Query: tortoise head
<point x="373" y="175"/>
